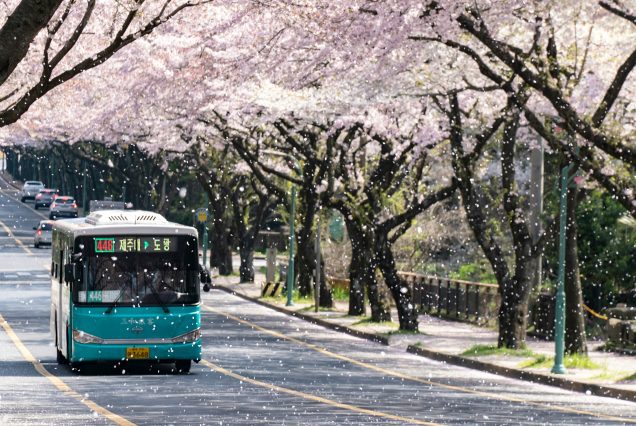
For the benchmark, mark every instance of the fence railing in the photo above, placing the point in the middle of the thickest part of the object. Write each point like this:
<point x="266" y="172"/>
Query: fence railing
<point x="457" y="299"/>
<point x="445" y="297"/>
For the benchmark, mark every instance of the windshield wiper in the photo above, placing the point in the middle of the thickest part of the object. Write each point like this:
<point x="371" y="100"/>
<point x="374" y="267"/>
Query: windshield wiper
<point x="158" y="297"/>
<point x="121" y="293"/>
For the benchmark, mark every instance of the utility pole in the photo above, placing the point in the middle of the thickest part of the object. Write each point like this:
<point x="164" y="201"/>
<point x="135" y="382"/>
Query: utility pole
<point x="205" y="229"/>
<point x="536" y="208"/>
<point x="290" y="265"/>
<point x="84" y="190"/>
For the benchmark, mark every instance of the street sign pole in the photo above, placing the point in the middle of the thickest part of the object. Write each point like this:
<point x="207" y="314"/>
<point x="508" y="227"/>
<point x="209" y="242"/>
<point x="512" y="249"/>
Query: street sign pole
<point x="559" y="321"/>
<point x="318" y="275"/>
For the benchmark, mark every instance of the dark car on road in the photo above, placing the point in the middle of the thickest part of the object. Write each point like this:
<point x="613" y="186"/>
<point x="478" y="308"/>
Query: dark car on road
<point x="63" y="206"/>
<point x="45" y="197"/>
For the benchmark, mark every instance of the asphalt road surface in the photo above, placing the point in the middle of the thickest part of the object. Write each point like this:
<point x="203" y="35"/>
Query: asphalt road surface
<point x="258" y="367"/>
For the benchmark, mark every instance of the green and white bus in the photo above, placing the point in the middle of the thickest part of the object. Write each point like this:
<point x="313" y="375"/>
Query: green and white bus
<point x="125" y="286"/>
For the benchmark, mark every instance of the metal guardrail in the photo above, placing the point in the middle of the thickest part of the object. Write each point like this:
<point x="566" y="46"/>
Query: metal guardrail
<point x="445" y="297"/>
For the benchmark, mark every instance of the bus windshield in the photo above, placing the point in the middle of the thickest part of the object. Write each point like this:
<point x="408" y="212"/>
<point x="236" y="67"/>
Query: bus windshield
<point x="139" y="278"/>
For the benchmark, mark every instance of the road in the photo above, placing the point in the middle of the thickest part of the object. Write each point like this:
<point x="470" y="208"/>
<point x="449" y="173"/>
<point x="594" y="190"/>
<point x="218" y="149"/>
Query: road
<point x="258" y="367"/>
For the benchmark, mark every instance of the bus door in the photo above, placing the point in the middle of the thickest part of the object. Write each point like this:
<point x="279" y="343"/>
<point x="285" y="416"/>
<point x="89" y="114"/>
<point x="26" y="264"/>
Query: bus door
<point x="62" y="331"/>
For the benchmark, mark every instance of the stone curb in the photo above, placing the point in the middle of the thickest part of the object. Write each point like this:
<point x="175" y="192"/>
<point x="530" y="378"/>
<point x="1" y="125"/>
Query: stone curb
<point x="514" y="373"/>
<point x="340" y="328"/>
<point x="9" y="180"/>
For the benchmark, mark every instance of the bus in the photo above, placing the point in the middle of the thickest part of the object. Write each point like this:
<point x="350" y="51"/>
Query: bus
<point x="125" y="287"/>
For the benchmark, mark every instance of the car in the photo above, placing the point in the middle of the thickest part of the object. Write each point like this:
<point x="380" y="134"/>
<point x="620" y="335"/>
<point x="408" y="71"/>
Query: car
<point x="63" y="206"/>
<point x="43" y="233"/>
<point x="45" y="197"/>
<point x="30" y="189"/>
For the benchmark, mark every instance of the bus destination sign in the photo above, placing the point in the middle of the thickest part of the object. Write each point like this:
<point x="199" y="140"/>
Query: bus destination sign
<point x="135" y="244"/>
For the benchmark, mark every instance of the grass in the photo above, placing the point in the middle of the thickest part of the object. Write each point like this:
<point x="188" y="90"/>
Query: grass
<point x="339" y="294"/>
<point x="576" y="361"/>
<point x="320" y="309"/>
<point x="629" y="378"/>
<point x="483" y="350"/>
<point x="403" y="332"/>
<point x="367" y="320"/>
<point x="282" y="297"/>
<point x="609" y="376"/>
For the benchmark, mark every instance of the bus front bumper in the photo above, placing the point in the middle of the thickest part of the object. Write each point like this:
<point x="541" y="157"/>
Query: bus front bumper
<point x="166" y="352"/>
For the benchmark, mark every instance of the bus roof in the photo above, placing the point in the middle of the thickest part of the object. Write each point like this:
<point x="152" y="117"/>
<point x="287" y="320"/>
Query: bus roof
<point x="122" y="222"/>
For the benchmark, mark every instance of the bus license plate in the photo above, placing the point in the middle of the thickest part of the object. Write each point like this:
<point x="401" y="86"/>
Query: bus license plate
<point x="137" y="353"/>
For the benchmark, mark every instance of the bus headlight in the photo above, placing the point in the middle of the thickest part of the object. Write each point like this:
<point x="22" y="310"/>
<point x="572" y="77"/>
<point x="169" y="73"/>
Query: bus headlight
<point x="83" y="337"/>
<point x="189" y="337"/>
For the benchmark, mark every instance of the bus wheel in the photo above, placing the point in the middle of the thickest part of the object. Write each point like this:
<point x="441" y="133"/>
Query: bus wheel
<point x="61" y="359"/>
<point x="183" y="366"/>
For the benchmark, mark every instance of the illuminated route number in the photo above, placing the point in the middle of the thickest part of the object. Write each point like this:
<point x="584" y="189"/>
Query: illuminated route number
<point x="104" y="245"/>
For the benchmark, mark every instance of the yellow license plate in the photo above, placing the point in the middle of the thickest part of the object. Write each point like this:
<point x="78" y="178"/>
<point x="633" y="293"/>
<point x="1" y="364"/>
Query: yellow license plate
<point x="137" y="353"/>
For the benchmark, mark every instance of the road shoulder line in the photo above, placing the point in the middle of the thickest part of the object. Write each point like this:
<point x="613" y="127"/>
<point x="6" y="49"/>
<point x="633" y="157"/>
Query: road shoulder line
<point x="312" y="397"/>
<point x="397" y="374"/>
<point x="59" y="383"/>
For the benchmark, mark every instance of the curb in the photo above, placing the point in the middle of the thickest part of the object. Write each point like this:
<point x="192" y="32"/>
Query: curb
<point x="514" y="373"/>
<point x="340" y="328"/>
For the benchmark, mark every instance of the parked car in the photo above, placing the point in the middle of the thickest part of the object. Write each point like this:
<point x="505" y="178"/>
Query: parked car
<point x="43" y="233"/>
<point x="45" y="197"/>
<point x="30" y="189"/>
<point x="63" y="206"/>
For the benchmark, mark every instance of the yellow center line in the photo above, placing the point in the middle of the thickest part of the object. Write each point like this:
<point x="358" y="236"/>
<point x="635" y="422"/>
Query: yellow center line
<point x="413" y="378"/>
<point x="59" y="383"/>
<point x="316" y="398"/>
<point x="20" y="243"/>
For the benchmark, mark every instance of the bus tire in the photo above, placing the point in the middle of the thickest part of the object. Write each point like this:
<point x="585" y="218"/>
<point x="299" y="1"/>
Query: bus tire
<point x="183" y="366"/>
<point x="61" y="359"/>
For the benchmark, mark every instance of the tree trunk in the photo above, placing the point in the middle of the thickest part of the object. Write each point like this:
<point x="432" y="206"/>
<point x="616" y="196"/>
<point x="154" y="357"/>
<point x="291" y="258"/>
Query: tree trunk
<point x="357" y="269"/>
<point x="326" y="298"/>
<point x="575" y="340"/>
<point x="305" y="263"/>
<point x="377" y="293"/>
<point x="246" y="269"/>
<point x="220" y="247"/>
<point x="362" y="275"/>
<point x="399" y="289"/>
<point x="513" y="311"/>
<point x="356" y="285"/>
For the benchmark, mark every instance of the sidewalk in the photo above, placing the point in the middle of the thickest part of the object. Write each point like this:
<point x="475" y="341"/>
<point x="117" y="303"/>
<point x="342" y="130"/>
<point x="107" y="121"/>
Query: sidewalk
<point x="614" y="375"/>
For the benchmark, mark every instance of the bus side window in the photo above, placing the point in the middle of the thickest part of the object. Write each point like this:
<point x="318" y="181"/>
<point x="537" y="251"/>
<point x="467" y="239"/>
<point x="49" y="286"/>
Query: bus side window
<point x="52" y="268"/>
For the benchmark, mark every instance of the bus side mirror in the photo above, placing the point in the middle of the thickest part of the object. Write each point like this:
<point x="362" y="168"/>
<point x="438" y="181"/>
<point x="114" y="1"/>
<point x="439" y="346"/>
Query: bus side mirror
<point x="72" y="271"/>
<point x="69" y="273"/>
